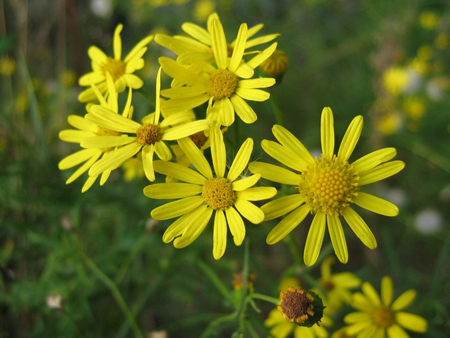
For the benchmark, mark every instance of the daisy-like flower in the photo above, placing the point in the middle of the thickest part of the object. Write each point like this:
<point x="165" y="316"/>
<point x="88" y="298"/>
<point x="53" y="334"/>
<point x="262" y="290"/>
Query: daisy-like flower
<point x="120" y="70"/>
<point x="337" y="286"/>
<point x="379" y="318"/>
<point x="222" y="86"/>
<point x="149" y="137"/>
<point x="88" y="129"/>
<point x="199" y="46"/>
<point x="327" y="186"/>
<point x="205" y="193"/>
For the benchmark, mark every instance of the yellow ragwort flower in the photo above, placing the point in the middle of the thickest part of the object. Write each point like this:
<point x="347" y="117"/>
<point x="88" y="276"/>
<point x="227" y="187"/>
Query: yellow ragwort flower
<point x="149" y="136"/>
<point x="120" y="70"/>
<point x="221" y="86"/>
<point x="327" y="186"/>
<point x="395" y="80"/>
<point x="203" y="193"/>
<point x="199" y="46"/>
<point x="379" y="318"/>
<point x="88" y="129"/>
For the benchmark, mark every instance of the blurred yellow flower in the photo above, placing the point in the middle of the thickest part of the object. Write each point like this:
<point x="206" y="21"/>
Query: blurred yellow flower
<point x="442" y="41"/>
<point x="203" y="9"/>
<point x="133" y="169"/>
<point x="7" y="66"/>
<point x="67" y="78"/>
<point x="429" y="20"/>
<point x="203" y="193"/>
<point x="327" y="186"/>
<point x="382" y="317"/>
<point x="389" y="123"/>
<point x="425" y="53"/>
<point x="120" y="70"/>
<point x="414" y="107"/>
<point x="276" y="65"/>
<point x="395" y="80"/>
<point x="419" y="66"/>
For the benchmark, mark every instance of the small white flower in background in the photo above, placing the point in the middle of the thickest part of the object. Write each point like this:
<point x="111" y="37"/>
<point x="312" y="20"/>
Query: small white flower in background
<point x="55" y="301"/>
<point x="414" y="83"/>
<point x="396" y="195"/>
<point x="102" y="8"/>
<point x="428" y="221"/>
<point x="157" y="334"/>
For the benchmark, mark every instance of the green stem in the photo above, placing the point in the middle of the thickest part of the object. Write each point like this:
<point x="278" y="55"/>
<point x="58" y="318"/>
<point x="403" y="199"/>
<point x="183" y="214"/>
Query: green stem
<point x="276" y="110"/>
<point x="269" y="299"/>
<point x="243" y="306"/>
<point x="116" y="294"/>
<point x="293" y="247"/>
<point x="215" y="280"/>
<point x="251" y="329"/>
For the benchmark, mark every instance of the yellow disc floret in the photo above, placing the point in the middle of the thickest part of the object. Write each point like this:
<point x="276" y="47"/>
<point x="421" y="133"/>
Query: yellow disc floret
<point x="222" y="83"/>
<point x="148" y="134"/>
<point x="218" y="193"/>
<point x="384" y="317"/>
<point x="114" y="67"/>
<point x="328" y="186"/>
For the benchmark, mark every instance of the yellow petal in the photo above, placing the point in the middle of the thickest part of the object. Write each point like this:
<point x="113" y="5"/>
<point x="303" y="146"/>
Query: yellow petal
<point x="411" y="322"/>
<point x="81" y="170"/>
<point x="327" y="132"/>
<point x="360" y="302"/>
<point x="260" y="40"/>
<point x="405" y="299"/>
<point x="185" y="130"/>
<point x="197" y="32"/>
<point x="226" y="111"/>
<point x="179" y="226"/>
<point x="244" y="111"/>
<point x="96" y="54"/>
<point x="220" y="235"/>
<point x="283" y="155"/>
<point x="141" y="44"/>
<point x="239" y="47"/>
<point x="376" y="204"/>
<point x="252" y="31"/>
<point x="350" y="139"/>
<point x="371" y="294"/>
<point x="381" y="172"/>
<point x="88" y="184"/>
<point x="163" y="151"/>
<point x="147" y="161"/>
<point x="287" y="224"/>
<point x="81" y="123"/>
<point x="246" y="183"/>
<point x="360" y="228"/>
<point x="171" y="190"/>
<point x="194" y="228"/>
<point x="338" y="238"/>
<point x="106" y="141"/>
<point x="219" y="44"/>
<point x="261" y="57"/>
<point x="274" y="173"/>
<point x="117" y="42"/>
<point x="115" y="158"/>
<point x="184" y="92"/>
<point x="177" y="119"/>
<point x="257" y="194"/>
<point x="288" y="140"/>
<point x="76" y="158"/>
<point x="373" y="159"/>
<point x="177" y="208"/>
<point x="218" y="152"/>
<point x="252" y="94"/>
<point x="133" y="81"/>
<point x="179" y="172"/>
<point x="176" y="45"/>
<point x="244" y="71"/>
<point x="177" y="105"/>
<point x="74" y="136"/>
<point x="356" y="317"/>
<point x="257" y="83"/>
<point x="236" y="224"/>
<point x="281" y="206"/>
<point x="354" y="329"/>
<point x="105" y="114"/>
<point x="179" y="72"/>
<point x="387" y="290"/>
<point x="241" y="160"/>
<point x="314" y="239"/>
<point x="396" y="331"/>
<point x="249" y="211"/>
<point x="195" y="156"/>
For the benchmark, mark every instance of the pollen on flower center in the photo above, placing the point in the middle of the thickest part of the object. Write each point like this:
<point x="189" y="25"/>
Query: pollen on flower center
<point x="384" y="317"/>
<point x="114" y="67"/>
<point x="295" y="305"/>
<point x="199" y="139"/>
<point x="222" y="83"/>
<point x="218" y="193"/>
<point x="148" y="134"/>
<point x="328" y="186"/>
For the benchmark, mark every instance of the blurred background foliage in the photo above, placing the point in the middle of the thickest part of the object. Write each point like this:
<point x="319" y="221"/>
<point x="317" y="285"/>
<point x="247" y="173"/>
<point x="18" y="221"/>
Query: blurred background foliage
<point x="71" y="264"/>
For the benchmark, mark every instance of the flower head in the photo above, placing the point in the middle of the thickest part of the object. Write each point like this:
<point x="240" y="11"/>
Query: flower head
<point x="120" y="70"/>
<point x="204" y="194"/>
<point x="382" y="317"/>
<point x="327" y="186"/>
<point x="276" y="65"/>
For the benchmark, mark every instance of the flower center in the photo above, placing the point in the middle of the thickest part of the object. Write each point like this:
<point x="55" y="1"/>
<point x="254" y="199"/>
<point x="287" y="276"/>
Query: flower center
<point x="199" y="139"/>
<point x="328" y="286"/>
<point x="384" y="317"/>
<point x="328" y="186"/>
<point x="114" y="67"/>
<point x="148" y="134"/>
<point x="218" y="193"/>
<point x="276" y="64"/>
<point x="295" y="305"/>
<point x="222" y="83"/>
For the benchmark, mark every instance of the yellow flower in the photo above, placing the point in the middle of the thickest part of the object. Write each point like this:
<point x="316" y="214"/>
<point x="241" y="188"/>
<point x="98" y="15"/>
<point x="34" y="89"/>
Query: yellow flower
<point x="133" y="168"/>
<point x="442" y="41"/>
<point x="395" y="80"/>
<point x="203" y="193"/>
<point x="203" y="9"/>
<point x="276" y="65"/>
<point x="342" y="334"/>
<point x="221" y="86"/>
<point x="327" y="186"/>
<point x="414" y="107"/>
<point x="429" y="20"/>
<point x="337" y="286"/>
<point x="88" y="129"/>
<point x="120" y="70"/>
<point x="149" y="136"/>
<point x="7" y="66"/>
<point x="200" y="44"/>
<point x="389" y="123"/>
<point x="381" y="317"/>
